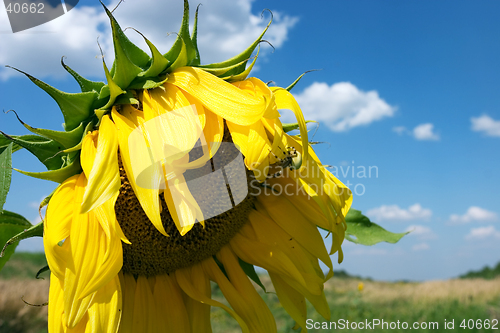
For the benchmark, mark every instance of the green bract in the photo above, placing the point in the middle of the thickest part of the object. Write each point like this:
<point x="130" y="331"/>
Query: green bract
<point x="132" y="70"/>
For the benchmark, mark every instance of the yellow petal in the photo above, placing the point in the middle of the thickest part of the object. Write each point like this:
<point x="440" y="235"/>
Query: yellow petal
<point x="106" y="309"/>
<point x="104" y="179"/>
<point x="241" y="294"/>
<point x="218" y="96"/>
<point x="57" y="226"/>
<point x="148" y="197"/>
<point x="257" y="88"/>
<point x="292" y="301"/>
<point x="144" y="307"/>
<point x="253" y="143"/>
<point x="56" y="305"/>
<point x="95" y="260"/>
<point x="293" y="222"/>
<point x="171" y="313"/>
<point x="192" y="280"/>
<point x="128" y="286"/>
<point x="285" y="100"/>
<point x="182" y="206"/>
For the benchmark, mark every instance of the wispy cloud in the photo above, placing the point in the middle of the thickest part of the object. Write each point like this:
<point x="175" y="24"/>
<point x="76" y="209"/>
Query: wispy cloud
<point x="342" y="106"/>
<point x="474" y="214"/>
<point x="420" y="247"/>
<point x="486" y="125"/>
<point x="395" y="213"/>
<point x="483" y="233"/>
<point x="422" y="132"/>
<point x="421" y="232"/>
<point x="425" y="132"/>
<point x="226" y="28"/>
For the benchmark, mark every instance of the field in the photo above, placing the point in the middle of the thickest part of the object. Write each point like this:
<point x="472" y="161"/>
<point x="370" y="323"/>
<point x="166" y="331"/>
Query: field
<point x="422" y="303"/>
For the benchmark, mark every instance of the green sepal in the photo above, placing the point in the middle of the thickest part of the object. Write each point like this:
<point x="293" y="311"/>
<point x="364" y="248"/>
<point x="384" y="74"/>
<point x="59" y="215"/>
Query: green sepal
<point x="361" y="230"/>
<point x="5" y="173"/>
<point x="181" y="60"/>
<point x="194" y="39"/>
<point x="158" y="62"/>
<point x="78" y="146"/>
<point x="249" y="270"/>
<point x="85" y="84"/>
<point x="147" y="83"/>
<point x="243" y="75"/>
<point x="112" y="89"/>
<point x="288" y="127"/>
<point x="127" y="98"/>
<point x="11" y="224"/>
<point x="130" y="60"/>
<point x="242" y="57"/>
<point x="59" y="175"/>
<point x="67" y="139"/>
<point x="75" y="107"/>
<point x="46" y="151"/>
<point x="290" y="87"/>
<point x="223" y="71"/>
<point x="40" y="271"/>
<point x="4" y="141"/>
<point x="32" y="231"/>
<point x="183" y="41"/>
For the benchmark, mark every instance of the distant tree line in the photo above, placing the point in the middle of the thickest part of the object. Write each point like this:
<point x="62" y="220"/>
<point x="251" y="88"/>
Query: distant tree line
<point x="485" y="273"/>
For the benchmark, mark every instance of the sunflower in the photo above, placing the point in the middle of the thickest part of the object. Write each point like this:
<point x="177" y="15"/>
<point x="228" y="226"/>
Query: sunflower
<point x="181" y="175"/>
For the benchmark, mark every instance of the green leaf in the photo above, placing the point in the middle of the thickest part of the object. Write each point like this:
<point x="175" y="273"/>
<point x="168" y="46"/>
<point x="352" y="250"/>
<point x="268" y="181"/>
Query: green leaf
<point x="5" y="173"/>
<point x="85" y="84"/>
<point x="74" y="107"/>
<point x="361" y="230"/>
<point x="46" y="151"/>
<point x="249" y="270"/>
<point x="33" y="231"/>
<point x="11" y="224"/>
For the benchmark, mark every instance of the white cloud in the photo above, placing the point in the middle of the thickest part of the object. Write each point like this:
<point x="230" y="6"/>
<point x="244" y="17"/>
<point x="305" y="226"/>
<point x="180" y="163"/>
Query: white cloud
<point x="342" y="105"/>
<point x="400" y="130"/>
<point x="486" y="125"/>
<point x="226" y="28"/>
<point x="474" y="213"/>
<point x="394" y="213"/>
<point x="420" y="247"/>
<point x="483" y="233"/>
<point x="421" y="232"/>
<point x="425" y="132"/>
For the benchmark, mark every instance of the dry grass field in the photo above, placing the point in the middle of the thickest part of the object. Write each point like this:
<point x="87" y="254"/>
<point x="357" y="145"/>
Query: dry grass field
<point x="404" y="301"/>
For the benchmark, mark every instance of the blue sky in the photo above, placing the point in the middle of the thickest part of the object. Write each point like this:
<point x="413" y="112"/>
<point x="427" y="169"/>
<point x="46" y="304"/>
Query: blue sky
<point x="409" y="88"/>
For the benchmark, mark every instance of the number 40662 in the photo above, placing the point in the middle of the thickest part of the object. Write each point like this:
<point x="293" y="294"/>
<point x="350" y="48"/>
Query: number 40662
<point x="478" y="324"/>
<point x="33" y="8"/>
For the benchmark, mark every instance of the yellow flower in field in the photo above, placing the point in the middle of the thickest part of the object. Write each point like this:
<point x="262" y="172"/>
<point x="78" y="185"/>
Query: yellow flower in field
<point x="134" y="238"/>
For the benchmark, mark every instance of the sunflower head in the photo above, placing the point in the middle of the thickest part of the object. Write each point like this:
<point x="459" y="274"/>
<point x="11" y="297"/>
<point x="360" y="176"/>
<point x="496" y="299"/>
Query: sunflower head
<point x="173" y="174"/>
